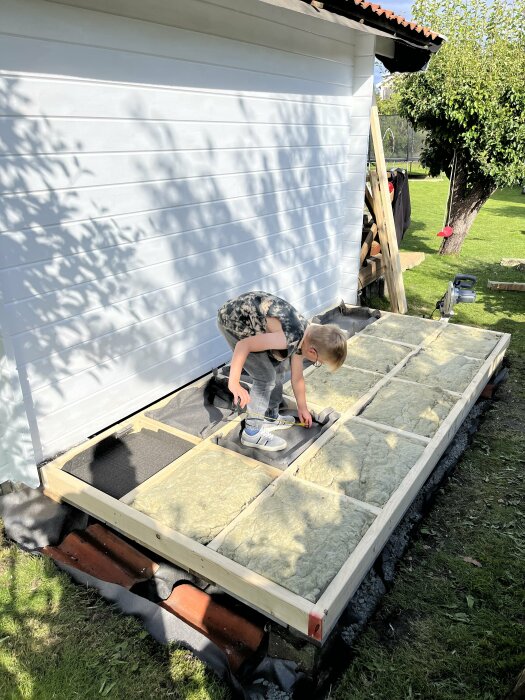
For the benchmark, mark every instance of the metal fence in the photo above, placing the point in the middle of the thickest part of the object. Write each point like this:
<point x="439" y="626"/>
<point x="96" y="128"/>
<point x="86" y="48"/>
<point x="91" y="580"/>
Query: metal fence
<point x="400" y="141"/>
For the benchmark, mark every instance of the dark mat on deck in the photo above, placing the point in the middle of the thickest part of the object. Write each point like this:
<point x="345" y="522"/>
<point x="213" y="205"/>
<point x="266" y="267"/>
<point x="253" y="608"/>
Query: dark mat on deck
<point x="350" y="319"/>
<point x="298" y="439"/>
<point x="121" y="462"/>
<point x="200" y="411"/>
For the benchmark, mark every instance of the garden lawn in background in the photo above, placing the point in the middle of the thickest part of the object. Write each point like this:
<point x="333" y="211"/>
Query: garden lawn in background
<point x="453" y="625"/>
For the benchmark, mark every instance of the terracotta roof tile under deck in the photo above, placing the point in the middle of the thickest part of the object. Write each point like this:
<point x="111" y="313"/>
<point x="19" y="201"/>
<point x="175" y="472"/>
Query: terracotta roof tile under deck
<point x="101" y="553"/>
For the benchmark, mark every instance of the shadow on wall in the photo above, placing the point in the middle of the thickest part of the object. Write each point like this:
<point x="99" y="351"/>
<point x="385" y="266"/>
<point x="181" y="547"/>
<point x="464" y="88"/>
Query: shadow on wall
<point x="122" y="236"/>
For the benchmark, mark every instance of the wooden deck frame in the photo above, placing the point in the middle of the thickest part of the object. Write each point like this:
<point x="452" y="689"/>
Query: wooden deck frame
<point x="315" y="621"/>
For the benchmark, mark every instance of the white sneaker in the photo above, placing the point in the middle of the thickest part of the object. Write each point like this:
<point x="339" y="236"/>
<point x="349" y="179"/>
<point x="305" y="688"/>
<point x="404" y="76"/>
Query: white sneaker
<point x="263" y="440"/>
<point x="279" y="423"/>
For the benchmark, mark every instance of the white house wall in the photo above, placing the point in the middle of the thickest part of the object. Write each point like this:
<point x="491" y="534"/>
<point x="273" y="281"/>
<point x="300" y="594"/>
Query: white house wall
<point x="16" y="451"/>
<point x="147" y="174"/>
<point x="363" y="90"/>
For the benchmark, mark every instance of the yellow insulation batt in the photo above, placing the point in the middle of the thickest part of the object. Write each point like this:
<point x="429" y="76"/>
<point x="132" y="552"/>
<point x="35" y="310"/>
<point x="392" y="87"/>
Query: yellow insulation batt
<point x="362" y="462"/>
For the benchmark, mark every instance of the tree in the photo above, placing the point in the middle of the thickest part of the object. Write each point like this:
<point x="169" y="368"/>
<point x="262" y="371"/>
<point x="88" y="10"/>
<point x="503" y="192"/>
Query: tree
<point x="471" y="103"/>
<point x="390" y="105"/>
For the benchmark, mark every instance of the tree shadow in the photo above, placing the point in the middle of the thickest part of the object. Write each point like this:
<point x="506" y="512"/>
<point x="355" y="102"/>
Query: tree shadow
<point x="122" y="236"/>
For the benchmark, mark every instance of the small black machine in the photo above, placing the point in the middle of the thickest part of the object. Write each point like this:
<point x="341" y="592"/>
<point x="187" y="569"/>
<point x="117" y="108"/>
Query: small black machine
<point x="461" y="289"/>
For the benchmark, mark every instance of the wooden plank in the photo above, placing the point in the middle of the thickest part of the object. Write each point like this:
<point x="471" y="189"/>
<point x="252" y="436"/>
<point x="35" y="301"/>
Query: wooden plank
<point x="506" y="286"/>
<point x="374" y="269"/>
<point x="346" y="582"/>
<point x="246" y="585"/>
<point x="398" y="298"/>
<point x="365" y="247"/>
<point x="390" y="429"/>
<point x="369" y="200"/>
<point x="383" y="240"/>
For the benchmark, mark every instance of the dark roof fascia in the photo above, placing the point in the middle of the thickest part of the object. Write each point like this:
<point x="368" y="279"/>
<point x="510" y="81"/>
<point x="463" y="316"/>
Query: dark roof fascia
<point x="413" y="46"/>
<point x="386" y="23"/>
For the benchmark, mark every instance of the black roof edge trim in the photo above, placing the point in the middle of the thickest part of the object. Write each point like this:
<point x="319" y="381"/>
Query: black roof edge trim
<point x="369" y="18"/>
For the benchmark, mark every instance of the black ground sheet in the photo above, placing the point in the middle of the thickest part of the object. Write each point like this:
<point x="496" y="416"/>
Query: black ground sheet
<point x="351" y="319"/>
<point x="119" y="463"/>
<point x="298" y="439"/>
<point x="199" y="411"/>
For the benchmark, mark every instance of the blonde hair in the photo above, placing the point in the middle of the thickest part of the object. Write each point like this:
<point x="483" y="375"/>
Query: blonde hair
<point x="330" y="342"/>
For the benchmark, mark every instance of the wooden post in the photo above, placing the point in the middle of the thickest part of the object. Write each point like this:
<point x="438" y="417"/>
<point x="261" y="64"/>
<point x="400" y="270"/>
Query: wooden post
<point x="397" y="288"/>
<point x="383" y="240"/>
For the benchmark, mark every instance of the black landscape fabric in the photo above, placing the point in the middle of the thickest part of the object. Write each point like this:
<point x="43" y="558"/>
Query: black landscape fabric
<point x="118" y="464"/>
<point x="298" y="439"/>
<point x="350" y="319"/>
<point x="189" y="410"/>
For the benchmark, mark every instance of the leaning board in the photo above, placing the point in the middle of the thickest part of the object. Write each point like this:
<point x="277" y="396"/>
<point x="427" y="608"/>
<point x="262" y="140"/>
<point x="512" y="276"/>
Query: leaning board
<point x="296" y="544"/>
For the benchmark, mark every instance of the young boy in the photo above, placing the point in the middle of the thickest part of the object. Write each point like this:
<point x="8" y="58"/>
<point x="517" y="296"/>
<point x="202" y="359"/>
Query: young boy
<point x="263" y="331"/>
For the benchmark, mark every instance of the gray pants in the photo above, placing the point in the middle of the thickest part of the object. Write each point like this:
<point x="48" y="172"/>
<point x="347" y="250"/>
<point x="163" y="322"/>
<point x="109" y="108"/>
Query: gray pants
<point x="267" y="389"/>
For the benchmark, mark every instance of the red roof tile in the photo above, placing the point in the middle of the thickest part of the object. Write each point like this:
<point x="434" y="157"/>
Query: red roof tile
<point x="390" y="15"/>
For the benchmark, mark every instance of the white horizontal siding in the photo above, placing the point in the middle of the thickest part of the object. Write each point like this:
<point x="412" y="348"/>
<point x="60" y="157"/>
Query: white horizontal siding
<point x="104" y="100"/>
<point x="148" y="173"/>
<point x="28" y="173"/>
<point x="362" y="102"/>
<point x="17" y="461"/>
<point x="53" y="206"/>
<point x="81" y="356"/>
<point x="110" y="136"/>
<point x="31" y="245"/>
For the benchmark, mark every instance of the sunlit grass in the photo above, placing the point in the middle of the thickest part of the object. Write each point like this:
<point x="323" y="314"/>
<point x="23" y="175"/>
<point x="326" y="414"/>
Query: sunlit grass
<point x="59" y="640"/>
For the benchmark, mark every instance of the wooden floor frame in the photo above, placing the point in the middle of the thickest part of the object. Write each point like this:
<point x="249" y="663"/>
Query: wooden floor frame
<point x="315" y="620"/>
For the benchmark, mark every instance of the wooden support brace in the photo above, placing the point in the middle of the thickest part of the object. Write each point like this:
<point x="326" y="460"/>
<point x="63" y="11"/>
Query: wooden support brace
<point x="383" y="240"/>
<point x="389" y="246"/>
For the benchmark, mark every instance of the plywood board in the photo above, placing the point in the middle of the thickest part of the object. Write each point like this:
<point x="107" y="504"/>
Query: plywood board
<point x="340" y="389"/>
<point x="374" y="354"/>
<point x="405" y="329"/>
<point x="363" y="462"/>
<point x="418" y="409"/>
<point x="299" y="537"/>
<point x="434" y="366"/>
<point x="203" y="493"/>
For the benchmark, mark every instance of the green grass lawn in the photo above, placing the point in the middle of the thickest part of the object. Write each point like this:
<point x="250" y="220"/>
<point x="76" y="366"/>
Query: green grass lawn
<point x="449" y="629"/>
<point x="60" y="640"/>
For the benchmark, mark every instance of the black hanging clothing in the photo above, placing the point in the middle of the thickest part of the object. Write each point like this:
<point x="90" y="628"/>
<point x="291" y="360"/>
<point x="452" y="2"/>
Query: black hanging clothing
<point x="401" y="204"/>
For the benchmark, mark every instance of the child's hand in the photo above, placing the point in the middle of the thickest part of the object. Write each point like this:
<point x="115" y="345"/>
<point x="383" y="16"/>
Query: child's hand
<point x="240" y="396"/>
<point x="305" y="417"/>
